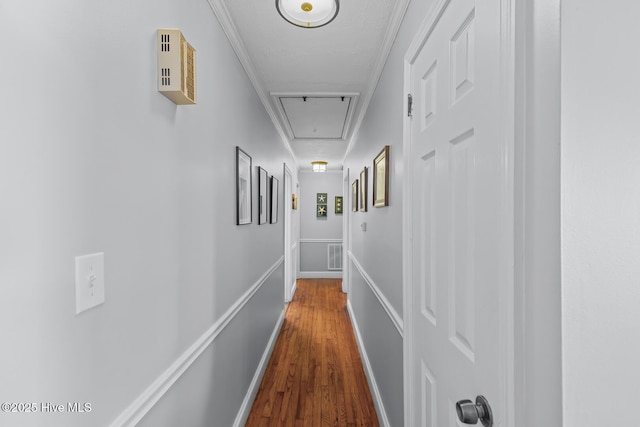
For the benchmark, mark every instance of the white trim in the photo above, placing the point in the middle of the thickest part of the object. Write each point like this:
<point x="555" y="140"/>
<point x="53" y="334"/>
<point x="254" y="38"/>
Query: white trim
<point x="371" y="379"/>
<point x="224" y="17"/>
<point x="275" y="97"/>
<point x="384" y="302"/>
<point x="321" y="275"/>
<point x="392" y="31"/>
<point x="245" y="408"/>
<point x="143" y="404"/>
<point x="320" y="240"/>
<point x="287" y="177"/>
<point x="507" y="306"/>
<point x="226" y="22"/>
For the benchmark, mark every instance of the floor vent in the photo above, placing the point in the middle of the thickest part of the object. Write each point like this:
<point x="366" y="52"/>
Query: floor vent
<point x="334" y="256"/>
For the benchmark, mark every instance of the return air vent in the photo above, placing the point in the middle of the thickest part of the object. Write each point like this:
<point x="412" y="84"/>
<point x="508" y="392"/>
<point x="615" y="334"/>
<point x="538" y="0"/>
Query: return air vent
<point x="334" y="256"/>
<point x="176" y="67"/>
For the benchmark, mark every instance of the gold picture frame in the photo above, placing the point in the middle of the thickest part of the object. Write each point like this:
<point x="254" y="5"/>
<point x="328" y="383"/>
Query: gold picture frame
<point x="363" y="189"/>
<point x="381" y="178"/>
<point x="354" y="196"/>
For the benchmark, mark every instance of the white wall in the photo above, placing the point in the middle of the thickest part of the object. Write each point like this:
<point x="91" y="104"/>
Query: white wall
<point x="93" y="159"/>
<point x="600" y="212"/>
<point x="316" y="232"/>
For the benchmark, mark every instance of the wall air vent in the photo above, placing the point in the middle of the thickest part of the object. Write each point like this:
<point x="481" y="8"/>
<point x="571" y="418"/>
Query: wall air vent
<point x="334" y="256"/>
<point x="176" y="67"/>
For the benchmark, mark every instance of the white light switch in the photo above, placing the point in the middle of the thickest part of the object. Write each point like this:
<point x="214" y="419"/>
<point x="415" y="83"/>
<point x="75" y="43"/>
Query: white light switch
<point x="89" y="281"/>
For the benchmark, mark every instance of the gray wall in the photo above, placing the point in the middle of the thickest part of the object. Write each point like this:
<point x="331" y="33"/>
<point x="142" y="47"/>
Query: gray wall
<point x="318" y="232"/>
<point x="600" y="212"/>
<point x="376" y="254"/>
<point x="95" y="159"/>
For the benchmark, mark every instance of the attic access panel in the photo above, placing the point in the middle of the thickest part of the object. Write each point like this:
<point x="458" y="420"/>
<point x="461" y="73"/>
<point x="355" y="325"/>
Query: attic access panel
<point x="317" y="117"/>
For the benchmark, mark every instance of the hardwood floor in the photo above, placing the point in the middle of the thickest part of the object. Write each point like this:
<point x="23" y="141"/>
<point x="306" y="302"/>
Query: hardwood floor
<point x="315" y="376"/>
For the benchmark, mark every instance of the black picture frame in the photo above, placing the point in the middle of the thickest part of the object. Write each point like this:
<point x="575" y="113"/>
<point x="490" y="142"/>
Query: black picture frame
<point x="243" y="187"/>
<point x="263" y="202"/>
<point x="273" y="216"/>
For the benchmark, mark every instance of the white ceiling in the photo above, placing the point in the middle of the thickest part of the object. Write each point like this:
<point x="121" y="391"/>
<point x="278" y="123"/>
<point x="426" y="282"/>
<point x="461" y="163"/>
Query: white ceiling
<point x="286" y="63"/>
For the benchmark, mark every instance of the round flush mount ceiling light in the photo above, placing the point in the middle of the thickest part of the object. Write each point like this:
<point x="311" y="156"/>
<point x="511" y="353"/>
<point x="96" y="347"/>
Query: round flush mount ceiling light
<point x="308" y="13"/>
<point x="319" y="166"/>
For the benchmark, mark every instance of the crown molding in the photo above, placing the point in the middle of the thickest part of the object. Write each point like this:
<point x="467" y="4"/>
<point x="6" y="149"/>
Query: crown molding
<point x="221" y="12"/>
<point x="392" y="31"/>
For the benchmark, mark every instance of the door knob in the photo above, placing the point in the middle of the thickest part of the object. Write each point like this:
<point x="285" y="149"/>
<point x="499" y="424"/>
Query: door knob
<point x="470" y="413"/>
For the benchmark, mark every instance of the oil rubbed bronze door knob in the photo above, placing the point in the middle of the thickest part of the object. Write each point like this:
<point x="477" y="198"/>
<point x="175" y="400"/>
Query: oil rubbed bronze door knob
<point x="470" y="413"/>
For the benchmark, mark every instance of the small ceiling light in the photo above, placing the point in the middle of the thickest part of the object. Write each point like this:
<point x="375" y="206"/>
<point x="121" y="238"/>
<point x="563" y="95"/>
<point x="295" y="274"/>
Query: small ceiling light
<point x="319" y="166"/>
<point x="308" y="14"/>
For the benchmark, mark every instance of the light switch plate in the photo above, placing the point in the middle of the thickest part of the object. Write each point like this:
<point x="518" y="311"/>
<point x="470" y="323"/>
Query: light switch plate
<point x="89" y="281"/>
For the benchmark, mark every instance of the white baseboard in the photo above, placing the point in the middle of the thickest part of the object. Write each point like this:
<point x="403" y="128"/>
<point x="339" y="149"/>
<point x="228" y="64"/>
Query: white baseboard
<point x="143" y="404"/>
<point x="320" y="274"/>
<point x="371" y="379"/>
<point x="245" y="408"/>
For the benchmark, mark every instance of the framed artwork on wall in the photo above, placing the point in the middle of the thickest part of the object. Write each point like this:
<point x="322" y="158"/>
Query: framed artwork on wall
<point x="354" y="196"/>
<point x="363" y="189"/>
<point x="321" y="211"/>
<point x="338" y="205"/>
<point x="273" y="217"/>
<point x="262" y="196"/>
<point x="243" y="187"/>
<point x="294" y="201"/>
<point x="321" y="198"/>
<point x="381" y="178"/>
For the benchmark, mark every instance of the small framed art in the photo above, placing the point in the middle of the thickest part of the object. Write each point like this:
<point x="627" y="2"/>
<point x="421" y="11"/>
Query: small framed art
<point x="263" y="177"/>
<point x="354" y="196"/>
<point x="381" y="178"/>
<point x="363" y="189"/>
<point x="243" y="187"/>
<point x="338" y="205"/>
<point x="273" y="217"/>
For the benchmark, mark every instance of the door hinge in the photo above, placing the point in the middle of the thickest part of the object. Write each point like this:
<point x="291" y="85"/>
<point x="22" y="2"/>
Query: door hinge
<point x="409" y="105"/>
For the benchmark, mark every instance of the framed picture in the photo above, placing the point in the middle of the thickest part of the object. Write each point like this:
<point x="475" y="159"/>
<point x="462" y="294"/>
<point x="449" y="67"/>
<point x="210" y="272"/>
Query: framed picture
<point x="363" y="189"/>
<point x="321" y="198"/>
<point x="273" y="217"/>
<point x="321" y="211"/>
<point x="381" y="178"/>
<point x="294" y="201"/>
<point x="354" y="196"/>
<point x="263" y="178"/>
<point x="338" y="205"/>
<point x="243" y="187"/>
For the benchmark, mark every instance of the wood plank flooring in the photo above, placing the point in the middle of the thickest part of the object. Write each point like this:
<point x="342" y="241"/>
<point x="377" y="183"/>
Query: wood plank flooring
<point x="315" y="375"/>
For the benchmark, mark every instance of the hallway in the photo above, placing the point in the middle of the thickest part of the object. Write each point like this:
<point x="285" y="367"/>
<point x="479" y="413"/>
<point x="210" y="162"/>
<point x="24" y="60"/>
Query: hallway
<point x="315" y="375"/>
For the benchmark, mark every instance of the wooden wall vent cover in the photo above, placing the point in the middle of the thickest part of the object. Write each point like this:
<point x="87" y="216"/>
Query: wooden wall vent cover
<point x="176" y="67"/>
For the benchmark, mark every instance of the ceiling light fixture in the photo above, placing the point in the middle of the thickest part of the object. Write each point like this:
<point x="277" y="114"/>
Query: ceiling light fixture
<point x="319" y="166"/>
<point x="308" y="14"/>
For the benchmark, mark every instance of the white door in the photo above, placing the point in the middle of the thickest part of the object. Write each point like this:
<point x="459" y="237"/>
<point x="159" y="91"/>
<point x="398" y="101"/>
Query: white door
<point x="346" y="189"/>
<point x="289" y="251"/>
<point x="459" y="220"/>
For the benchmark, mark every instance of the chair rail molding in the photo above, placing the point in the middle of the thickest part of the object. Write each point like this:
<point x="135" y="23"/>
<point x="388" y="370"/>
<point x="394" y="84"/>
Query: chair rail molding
<point x="154" y="392"/>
